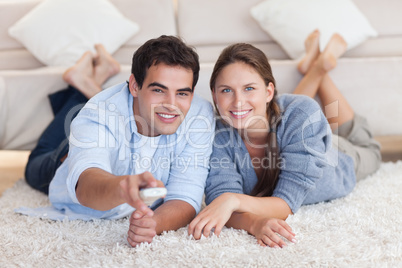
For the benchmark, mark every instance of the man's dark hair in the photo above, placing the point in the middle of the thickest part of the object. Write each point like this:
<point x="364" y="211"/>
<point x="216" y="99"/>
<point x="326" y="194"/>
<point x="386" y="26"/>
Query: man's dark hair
<point x="169" y="50"/>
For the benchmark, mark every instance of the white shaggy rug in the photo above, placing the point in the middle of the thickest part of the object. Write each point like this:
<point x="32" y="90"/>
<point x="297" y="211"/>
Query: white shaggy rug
<point x="362" y="230"/>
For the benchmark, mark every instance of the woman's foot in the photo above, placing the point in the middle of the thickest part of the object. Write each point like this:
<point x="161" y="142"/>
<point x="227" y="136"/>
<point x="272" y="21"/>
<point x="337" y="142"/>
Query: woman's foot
<point x="312" y="51"/>
<point x="81" y="76"/>
<point x="105" y="65"/>
<point x="334" y="49"/>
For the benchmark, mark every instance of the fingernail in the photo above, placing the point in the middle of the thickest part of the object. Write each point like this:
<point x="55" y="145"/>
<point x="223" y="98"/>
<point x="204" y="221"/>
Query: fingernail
<point x="276" y="246"/>
<point x="294" y="240"/>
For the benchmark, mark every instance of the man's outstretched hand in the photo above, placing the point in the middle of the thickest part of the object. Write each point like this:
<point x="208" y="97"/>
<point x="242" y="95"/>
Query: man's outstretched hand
<point x="130" y="187"/>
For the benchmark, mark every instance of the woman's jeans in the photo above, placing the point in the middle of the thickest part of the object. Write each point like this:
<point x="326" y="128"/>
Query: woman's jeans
<point x="53" y="143"/>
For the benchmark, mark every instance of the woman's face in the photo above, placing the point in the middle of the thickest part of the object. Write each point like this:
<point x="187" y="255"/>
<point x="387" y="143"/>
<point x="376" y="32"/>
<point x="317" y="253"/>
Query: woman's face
<point x="241" y="97"/>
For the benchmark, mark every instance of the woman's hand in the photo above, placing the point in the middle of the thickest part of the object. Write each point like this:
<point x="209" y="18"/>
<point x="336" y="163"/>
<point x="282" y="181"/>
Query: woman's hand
<point x="266" y="230"/>
<point x="215" y="215"/>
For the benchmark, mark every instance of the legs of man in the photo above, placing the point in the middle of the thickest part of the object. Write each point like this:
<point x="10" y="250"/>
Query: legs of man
<point x="52" y="147"/>
<point x="53" y="143"/>
<point x="105" y="65"/>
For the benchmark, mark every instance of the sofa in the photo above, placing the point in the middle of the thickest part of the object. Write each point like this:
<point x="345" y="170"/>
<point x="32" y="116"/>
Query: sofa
<point x="369" y="75"/>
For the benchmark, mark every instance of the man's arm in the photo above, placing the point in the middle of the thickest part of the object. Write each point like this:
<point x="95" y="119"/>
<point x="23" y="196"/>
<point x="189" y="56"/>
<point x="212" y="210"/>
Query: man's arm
<point x="171" y="215"/>
<point x="103" y="191"/>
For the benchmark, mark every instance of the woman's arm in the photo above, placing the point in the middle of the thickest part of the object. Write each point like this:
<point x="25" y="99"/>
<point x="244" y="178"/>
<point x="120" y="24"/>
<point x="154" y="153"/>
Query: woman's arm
<point x="271" y="207"/>
<point x="220" y="211"/>
<point x="263" y="228"/>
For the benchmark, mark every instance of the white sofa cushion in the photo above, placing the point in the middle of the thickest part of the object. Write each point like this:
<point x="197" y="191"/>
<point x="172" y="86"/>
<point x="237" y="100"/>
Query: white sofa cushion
<point x="290" y="21"/>
<point x="58" y="32"/>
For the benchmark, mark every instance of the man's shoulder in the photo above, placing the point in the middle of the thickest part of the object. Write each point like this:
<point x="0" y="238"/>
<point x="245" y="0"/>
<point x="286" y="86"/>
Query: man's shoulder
<point x="199" y="105"/>
<point x="111" y="100"/>
<point x="201" y="111"/>
<point x="110" y="94"/>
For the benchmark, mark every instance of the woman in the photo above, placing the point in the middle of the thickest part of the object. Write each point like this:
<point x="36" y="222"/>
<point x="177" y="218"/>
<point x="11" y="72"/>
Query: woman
<point x="273" y="154"/>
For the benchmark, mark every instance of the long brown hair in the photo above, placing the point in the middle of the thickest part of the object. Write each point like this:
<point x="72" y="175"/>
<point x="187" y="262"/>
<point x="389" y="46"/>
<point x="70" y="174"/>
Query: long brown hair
<point x="255" y="58"/>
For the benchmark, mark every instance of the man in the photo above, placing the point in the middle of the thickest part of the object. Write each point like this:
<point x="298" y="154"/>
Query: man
<point x="124" y="137"/>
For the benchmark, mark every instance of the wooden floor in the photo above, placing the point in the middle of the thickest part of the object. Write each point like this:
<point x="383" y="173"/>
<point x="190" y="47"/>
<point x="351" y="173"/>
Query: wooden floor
<point x="12" y="163"/>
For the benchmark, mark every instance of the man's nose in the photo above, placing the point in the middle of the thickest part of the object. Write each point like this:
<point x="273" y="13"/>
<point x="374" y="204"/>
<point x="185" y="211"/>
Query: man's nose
<point x="170" y="102"/>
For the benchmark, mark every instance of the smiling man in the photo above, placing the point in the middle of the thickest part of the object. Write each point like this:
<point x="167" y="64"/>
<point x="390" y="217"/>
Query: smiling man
<point x="151" y="126"/>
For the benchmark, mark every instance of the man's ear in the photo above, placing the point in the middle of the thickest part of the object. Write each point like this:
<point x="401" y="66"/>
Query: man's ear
<point x="133" y="86"/>
<point x="270" y="91"/>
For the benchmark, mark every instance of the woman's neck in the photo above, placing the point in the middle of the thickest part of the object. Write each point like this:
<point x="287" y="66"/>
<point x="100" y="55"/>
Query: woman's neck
<point x="252" y="137"/>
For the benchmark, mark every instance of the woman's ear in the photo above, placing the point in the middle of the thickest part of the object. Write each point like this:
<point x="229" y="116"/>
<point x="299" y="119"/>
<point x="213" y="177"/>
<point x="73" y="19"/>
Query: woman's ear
<point x="270" y="91"/>
<point x="133" y="86"/>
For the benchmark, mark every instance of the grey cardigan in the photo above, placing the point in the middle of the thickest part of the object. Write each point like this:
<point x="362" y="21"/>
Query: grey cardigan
<point x="311" y="170"/>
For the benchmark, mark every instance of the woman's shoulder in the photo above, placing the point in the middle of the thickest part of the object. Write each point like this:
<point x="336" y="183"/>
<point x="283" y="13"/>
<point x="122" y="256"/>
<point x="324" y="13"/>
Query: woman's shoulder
<point x="290" y="103"/>
<point x="299" y="113"/>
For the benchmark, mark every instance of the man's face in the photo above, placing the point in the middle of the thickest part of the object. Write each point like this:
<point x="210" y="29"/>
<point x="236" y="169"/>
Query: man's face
<point x="164" y="99"/>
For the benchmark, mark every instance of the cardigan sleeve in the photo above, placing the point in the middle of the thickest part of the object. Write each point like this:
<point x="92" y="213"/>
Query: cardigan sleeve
<point x="305" y="139"/>
<point x="223" y="176"/>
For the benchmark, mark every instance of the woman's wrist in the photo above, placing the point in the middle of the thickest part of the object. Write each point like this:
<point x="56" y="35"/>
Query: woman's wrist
<point x="252" y="220"/>
<point x="233" y="200"/>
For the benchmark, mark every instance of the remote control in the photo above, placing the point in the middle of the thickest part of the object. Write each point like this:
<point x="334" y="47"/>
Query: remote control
<point x="150" y="195"/>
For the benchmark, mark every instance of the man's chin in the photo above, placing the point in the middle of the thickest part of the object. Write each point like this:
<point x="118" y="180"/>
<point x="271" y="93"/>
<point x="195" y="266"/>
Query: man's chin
<point x="168" y="130"/>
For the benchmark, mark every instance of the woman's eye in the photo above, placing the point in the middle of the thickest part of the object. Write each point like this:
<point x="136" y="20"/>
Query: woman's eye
<point x="226" y="90"/>
<point x="249" y="88"/>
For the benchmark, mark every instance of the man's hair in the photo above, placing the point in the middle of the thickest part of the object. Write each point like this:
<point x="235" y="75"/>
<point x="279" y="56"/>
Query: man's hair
<point x="169" y="50"/>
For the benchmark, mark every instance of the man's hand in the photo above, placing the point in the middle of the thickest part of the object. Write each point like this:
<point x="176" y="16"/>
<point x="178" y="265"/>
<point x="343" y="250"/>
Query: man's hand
<point x="129" y="191"/>
<point x="142" y="229"/>
<point x="171" y="215"/>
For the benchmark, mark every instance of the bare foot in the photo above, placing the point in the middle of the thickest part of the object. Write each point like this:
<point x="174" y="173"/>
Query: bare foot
<point x="105" y="65"/>
<point x="312" y="51"/>
<point x="81" y="76"/>
<point x="334" y="49"/>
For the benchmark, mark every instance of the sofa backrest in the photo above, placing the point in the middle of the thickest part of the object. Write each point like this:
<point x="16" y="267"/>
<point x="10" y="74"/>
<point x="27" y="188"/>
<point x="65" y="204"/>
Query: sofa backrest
<point x="211" y="25"/>
<point x="155" y="17"/>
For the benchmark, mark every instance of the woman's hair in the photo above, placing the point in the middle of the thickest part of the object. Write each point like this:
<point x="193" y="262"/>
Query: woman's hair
<point x="169" y="50"/>
<point x="252" y="56"/>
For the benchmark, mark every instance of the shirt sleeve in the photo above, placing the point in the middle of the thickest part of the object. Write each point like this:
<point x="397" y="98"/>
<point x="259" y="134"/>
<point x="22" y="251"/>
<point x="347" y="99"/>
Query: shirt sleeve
<point x="190" y="166"/>
<point x="305" y="140"/>
<point x="88" y="136"/>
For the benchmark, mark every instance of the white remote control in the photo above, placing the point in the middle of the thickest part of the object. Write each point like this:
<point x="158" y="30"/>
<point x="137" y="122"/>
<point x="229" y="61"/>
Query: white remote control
<point x="150" y="195"/>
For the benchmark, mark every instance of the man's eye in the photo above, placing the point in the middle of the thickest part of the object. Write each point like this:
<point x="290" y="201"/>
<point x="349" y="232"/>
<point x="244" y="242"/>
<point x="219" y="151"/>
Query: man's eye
<point x="226" y="90"/>
<point x="157" y="90"/>
<point x="249" y="88"/>
<point x="183" y="94"/>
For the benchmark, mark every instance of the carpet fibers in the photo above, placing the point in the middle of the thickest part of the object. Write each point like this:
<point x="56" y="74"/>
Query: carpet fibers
<point x="363" y="229"/>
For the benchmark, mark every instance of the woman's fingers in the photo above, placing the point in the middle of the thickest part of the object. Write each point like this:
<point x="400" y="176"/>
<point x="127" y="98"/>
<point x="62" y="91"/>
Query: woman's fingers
<point x="287" y="227"/>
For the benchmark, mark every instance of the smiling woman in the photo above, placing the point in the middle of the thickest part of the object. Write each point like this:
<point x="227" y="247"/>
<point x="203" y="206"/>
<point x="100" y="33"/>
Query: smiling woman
<point x="274" y="154"/>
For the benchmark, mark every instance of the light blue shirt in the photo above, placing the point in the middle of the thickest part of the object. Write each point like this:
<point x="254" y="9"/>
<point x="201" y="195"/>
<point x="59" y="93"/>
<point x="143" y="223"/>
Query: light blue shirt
<point x="104" y="135"/>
